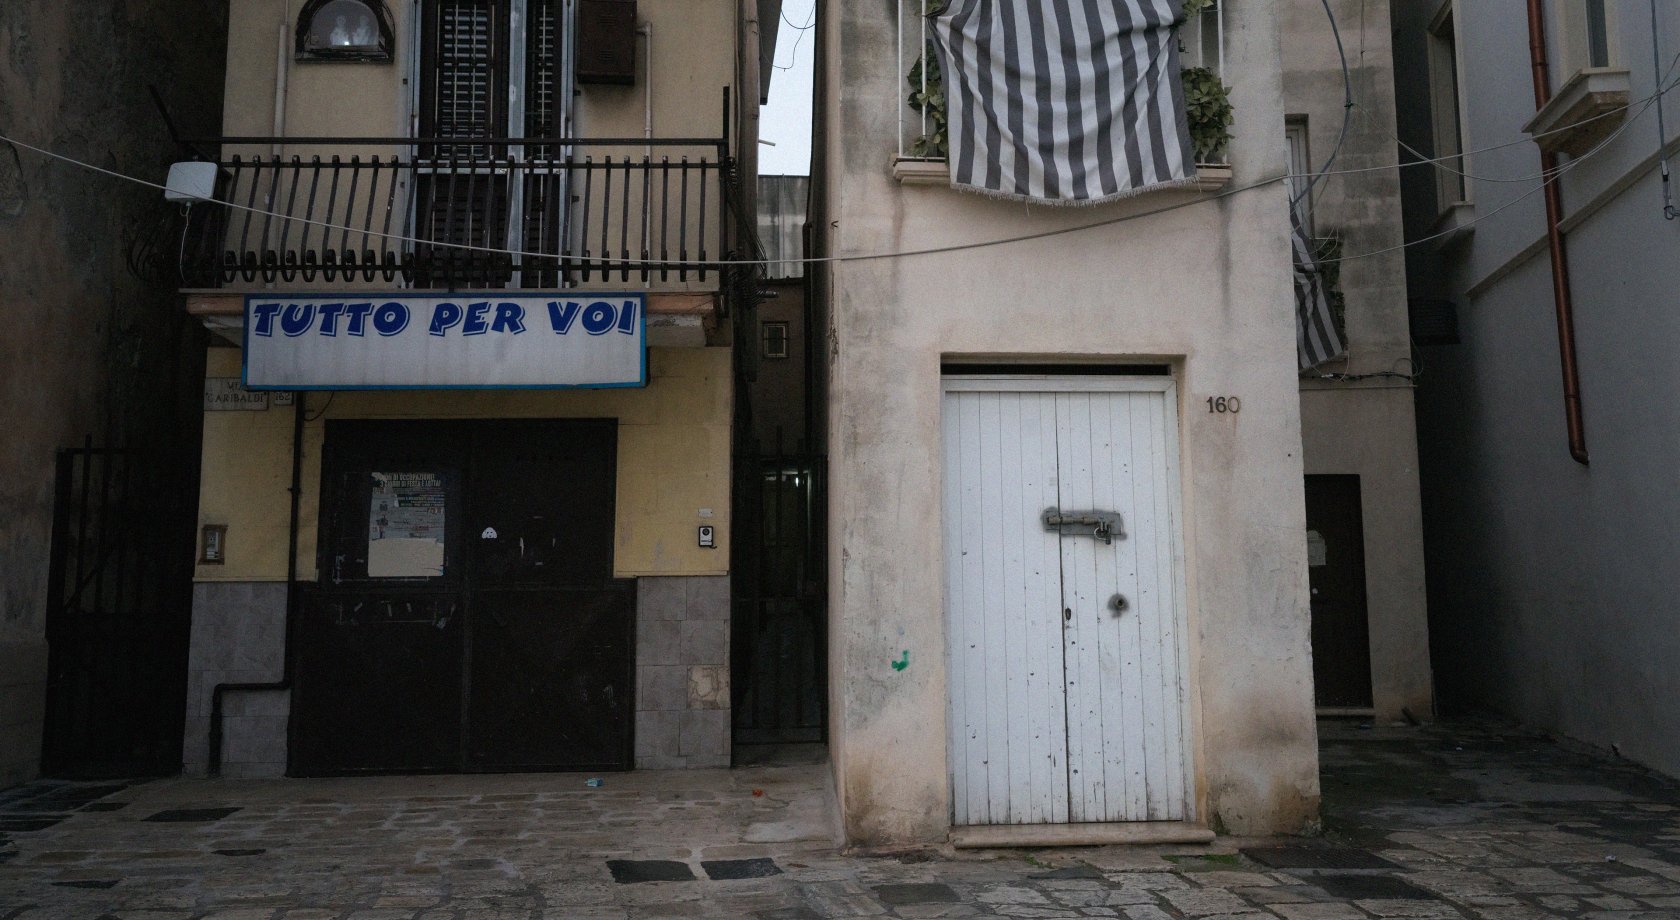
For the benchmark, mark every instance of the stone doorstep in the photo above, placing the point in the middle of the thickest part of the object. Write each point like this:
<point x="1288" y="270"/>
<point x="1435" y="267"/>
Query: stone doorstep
<point x="1079" y="835"/>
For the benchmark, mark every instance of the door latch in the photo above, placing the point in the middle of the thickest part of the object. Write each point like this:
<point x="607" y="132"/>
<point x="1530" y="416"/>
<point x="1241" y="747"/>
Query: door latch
<point x="1102" y="525"/>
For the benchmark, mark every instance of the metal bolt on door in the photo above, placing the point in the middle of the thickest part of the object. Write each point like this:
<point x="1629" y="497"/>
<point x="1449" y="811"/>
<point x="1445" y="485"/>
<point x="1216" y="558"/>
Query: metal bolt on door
<point x="1063" y="601"/>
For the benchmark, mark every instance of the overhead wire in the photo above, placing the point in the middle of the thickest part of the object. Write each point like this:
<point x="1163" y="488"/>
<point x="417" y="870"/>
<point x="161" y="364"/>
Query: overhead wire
<point x="877" y="256"/>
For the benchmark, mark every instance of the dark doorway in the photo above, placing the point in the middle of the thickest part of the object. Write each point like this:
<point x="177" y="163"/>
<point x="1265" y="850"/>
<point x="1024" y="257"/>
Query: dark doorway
<point x="119" y="603"/>
<point x="779" y="655"/>
<point x="466" y="618"/>
<point x="1341" y="634"/>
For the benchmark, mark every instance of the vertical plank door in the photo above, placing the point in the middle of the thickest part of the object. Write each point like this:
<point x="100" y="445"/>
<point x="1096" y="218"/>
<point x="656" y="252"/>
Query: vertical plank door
<point x="1008" y="742"/>
<point x="1126" y="729"/>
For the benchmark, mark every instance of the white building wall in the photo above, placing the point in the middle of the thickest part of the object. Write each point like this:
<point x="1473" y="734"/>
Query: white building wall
<point x="1553" y="584"/>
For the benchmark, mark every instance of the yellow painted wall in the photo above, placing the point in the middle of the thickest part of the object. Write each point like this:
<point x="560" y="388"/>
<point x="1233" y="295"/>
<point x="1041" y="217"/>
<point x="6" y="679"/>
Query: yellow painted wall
<point x="673" y="461"/>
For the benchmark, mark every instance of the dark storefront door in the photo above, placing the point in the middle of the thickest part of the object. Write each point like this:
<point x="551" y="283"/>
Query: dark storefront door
<point x="466" y="617"/>
<point x="1341" y="634"/>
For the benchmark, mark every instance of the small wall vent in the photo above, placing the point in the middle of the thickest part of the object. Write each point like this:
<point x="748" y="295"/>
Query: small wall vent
<point x="606" y="42"/>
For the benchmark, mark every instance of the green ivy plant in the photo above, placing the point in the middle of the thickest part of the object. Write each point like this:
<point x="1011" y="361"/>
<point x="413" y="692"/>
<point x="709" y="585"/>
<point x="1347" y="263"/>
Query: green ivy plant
<point x="1207" y="103"/>
<point x="929" y="102"/>
<point x="1327" y="251"/>
<point x="1196" y="7"/>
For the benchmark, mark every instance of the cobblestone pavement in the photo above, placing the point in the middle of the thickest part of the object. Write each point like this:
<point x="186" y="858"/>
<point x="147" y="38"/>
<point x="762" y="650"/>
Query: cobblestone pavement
<point x="1439" y="822"/>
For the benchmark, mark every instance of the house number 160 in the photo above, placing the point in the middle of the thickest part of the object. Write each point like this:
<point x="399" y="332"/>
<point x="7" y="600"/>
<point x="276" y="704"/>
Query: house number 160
<point x="1221" y="405"/>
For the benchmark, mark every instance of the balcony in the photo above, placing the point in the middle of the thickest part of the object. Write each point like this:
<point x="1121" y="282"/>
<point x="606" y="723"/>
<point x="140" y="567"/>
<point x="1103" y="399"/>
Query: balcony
<point x="452" y="213"/>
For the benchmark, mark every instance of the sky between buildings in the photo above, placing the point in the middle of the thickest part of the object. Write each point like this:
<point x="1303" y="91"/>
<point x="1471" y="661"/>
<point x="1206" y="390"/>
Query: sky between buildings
<point x="786" y="120"/>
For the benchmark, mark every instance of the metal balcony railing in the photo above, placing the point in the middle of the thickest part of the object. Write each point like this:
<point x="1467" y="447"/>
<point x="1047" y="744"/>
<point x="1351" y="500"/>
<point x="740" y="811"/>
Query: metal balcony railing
<point x="465" y="213"/>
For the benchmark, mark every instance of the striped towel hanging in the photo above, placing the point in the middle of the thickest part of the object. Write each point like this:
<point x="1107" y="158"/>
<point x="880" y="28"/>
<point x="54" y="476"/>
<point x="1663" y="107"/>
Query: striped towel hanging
<point x="1316" y="338"/>
<point x="1063" y="101"/>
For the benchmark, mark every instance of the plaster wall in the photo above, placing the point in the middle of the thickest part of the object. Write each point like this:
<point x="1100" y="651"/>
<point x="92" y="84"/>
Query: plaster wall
<point x="90" y="349"/>
<point x="693" y="59"/>
<point x="1552" y="584"/>
<point x="673" y="461"/>
<point x="1204" y="289"/>
<point x="1365" y="427"/>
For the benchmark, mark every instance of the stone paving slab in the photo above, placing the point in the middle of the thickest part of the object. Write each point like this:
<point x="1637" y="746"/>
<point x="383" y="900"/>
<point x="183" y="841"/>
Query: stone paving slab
<point x="1469" y="821"/>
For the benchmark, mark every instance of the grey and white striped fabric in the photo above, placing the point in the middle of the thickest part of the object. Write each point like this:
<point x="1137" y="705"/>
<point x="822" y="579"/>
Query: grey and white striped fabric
<point x="1316" y="339"/>
<point x="1063" y="101"/>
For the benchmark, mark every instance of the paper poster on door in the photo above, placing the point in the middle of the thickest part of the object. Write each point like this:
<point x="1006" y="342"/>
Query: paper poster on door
<point x="406" y="526"/>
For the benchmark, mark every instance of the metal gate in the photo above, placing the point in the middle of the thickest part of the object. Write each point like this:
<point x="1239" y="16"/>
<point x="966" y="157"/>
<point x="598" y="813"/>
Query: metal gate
<point x="119" y="613"/>
<point x="779" y="637"/>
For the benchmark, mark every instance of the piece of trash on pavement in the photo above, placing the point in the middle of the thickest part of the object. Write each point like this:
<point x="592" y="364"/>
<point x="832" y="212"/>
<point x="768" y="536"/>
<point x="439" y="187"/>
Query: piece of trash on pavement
<point x="594" y="782"/>
<point x="758" y="793"/>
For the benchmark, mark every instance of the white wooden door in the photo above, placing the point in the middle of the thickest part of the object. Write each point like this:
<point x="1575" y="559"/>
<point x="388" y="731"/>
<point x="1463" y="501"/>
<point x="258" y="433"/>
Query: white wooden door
<point x="1067" y="705"/>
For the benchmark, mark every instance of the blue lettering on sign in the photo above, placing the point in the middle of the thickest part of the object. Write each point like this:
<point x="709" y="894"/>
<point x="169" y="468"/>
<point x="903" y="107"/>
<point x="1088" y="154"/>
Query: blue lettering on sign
<point x="510" y="317"/>
<point x="390" y="319"/>
<point x="561" y="315"/>
<point x="296" y="319"/>
<point x="445" y="316"/>
<point x="264" y="314"/>
<point x="476" y="323"/>
<point x="598" y="317"/>
<point x="627" y="318"/>
<point x="357" y="313"/>
<point x="329" y="318"/>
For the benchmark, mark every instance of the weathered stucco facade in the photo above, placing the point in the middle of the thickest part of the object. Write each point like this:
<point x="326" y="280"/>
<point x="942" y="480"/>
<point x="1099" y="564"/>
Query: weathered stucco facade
<point x="1204" y="290"/>
<point x="1365" y="427"/>
<point x="90" y="349"/>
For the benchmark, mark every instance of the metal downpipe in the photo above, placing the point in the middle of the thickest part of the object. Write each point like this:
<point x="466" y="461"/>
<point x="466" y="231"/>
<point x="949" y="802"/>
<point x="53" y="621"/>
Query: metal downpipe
<point x="1561" y="297"/>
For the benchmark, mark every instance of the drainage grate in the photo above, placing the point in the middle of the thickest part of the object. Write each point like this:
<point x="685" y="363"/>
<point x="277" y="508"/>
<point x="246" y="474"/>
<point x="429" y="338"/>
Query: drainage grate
<point x="100" y="883"/>
<point x="1316" y="858"/>
<point x="631" y="871"/>
<point x="723" y="870"/>
<point x="191" y="815"/>
<point x="908" y="894"/>
<point x="252" y="852"/>
<point x="1371" y="888"/>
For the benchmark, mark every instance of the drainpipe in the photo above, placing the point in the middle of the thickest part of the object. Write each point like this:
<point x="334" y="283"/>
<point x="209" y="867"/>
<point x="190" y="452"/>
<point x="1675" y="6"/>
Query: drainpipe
<point x="1554" y="242"/>
<point x="213" y="765"/>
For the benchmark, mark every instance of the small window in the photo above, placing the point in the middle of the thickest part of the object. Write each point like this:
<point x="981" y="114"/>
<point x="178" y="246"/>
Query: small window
<point x="344" y="30"/>
<point x="1300" y="171"/>
<point x="1598" y="34"/>
<point x="1446" y="124"/>
<point x="775" y="336"/>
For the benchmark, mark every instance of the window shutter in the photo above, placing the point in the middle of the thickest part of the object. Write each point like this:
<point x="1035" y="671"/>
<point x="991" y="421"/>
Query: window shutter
<point x="465" y="68"/>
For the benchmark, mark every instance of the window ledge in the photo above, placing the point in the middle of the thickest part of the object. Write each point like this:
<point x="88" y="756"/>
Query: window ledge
<point x="1209" y="177"/>
<point x="1455" y="224"/>
<point x="1571" y="122"/>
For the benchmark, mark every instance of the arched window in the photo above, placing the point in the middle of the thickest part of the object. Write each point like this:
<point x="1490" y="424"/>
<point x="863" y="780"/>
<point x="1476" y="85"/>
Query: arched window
<point x="344" y="30"/>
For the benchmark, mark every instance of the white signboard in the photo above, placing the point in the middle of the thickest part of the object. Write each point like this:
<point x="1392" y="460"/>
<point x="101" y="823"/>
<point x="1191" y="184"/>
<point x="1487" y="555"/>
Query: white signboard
<point x="471" y="340"/>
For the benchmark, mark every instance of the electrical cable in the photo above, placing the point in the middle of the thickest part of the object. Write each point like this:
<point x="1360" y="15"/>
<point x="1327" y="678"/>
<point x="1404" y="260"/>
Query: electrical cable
<point x="793" y="54"/>
<point x="1555" y="176"/>
<point x="854" y="257"/>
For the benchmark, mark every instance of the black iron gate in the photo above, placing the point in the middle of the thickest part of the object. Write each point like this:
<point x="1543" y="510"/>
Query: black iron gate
<point x="780" y="642"/>
<point x="119" y="614"/>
